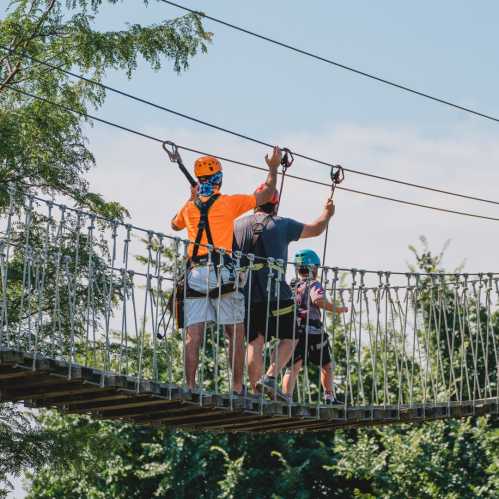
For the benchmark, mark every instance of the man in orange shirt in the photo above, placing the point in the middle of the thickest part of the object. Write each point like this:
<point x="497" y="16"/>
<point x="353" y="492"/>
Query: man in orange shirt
<point x="209" y="218"/>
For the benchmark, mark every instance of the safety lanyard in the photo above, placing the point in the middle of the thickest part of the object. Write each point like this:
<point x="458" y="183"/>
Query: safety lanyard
<point x="204" y="224"/>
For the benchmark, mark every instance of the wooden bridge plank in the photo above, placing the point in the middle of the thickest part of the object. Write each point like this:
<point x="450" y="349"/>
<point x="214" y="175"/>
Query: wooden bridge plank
<point x="21" y="374"/>
<point x="120" y="399"/>
<point x="264" y="425"/>
<point x="100" y="394"/>
<point x="181" y="410"/>
<point x="183" y="416"/>
<point x="30" y="382"/>
<point x="38" y="393"/>
<point x="112" y="396"/>
<point x="222" y="425"/>
<point x="141" y="408"/>
<point x="189" y="421"/>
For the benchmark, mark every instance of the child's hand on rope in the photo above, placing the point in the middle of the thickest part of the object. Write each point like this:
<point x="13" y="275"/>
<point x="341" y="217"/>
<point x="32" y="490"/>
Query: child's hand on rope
<point x="341" y="310"/>
<point x="275" y="160"/>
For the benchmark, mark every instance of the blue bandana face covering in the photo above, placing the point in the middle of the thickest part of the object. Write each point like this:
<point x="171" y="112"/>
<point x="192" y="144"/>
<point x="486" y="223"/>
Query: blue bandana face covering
<point x="207" y="187"/>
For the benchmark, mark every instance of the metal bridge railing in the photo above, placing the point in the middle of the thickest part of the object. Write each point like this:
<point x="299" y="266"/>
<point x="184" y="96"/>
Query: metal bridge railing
<point x="98" y="293"/>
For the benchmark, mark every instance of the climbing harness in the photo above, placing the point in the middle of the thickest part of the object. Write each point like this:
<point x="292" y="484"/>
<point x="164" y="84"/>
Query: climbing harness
<point x="305" y="258"/>
<point x="286" y="161"/>
<point x="337" y="176"/>
<point x="204" y="225"/>
<point x="303" y="320"/>
<point x="256" y="246"/>
<point x="175" y="157"/>
<point x="196" y="260"/>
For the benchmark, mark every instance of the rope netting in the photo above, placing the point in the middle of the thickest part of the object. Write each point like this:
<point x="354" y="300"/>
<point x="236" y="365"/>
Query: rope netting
<point x="98" y="293"/>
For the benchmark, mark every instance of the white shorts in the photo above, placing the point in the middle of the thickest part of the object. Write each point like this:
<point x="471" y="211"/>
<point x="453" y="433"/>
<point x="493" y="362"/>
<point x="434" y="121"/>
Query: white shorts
<point x="205" y="309"/>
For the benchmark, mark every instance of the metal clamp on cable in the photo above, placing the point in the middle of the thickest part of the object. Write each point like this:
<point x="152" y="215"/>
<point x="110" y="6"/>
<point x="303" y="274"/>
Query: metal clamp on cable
<point x="286" y="161"/>
<point x="287" y="158"/>
<point x="337" y="176"/>
<point x="175" y="157"/>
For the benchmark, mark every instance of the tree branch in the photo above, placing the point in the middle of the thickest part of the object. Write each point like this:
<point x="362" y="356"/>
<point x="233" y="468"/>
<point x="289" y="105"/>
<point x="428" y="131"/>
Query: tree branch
<point x="36" y="32"/>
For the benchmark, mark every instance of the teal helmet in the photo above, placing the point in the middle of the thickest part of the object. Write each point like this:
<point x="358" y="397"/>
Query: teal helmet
<point x="306" y="257"/>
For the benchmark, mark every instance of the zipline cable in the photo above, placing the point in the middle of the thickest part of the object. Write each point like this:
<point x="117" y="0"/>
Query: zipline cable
<point x="236" y="162"/>
<point x="371" y="76"/>
<point x="244" y="136"/>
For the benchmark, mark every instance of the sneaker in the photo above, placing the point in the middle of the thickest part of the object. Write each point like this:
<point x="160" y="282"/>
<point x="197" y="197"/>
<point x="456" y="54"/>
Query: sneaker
<point x="332" y="400"/>
<point x="267" y="386"/>
<point x="243" y="393"/>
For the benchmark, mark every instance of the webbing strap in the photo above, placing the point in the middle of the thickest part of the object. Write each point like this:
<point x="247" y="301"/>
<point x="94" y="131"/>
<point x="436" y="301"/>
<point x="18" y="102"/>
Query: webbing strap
<point x="213" y="293"/>
<point x="304" y="288"/>
<point x="204" y="224"/>
<point x="283" y="311"/>
<point x="257" y="248"/>
<point x="257" y="229"/>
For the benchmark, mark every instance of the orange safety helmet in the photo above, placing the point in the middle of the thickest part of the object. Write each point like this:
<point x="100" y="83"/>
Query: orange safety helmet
<point x="207" y="166"/>
<point x="275" y="196"/>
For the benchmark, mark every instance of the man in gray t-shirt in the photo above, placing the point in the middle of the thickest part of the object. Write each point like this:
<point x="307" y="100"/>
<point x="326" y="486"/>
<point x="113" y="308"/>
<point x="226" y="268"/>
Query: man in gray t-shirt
<point x="267" y="235"/>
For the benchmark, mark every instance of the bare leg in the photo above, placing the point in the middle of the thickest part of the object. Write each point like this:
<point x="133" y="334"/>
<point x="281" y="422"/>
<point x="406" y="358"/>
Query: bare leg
<point x="285" y="350"/>
<point x="327" y="378"/>
<point x="289" y="380"/>
<point x="236" y="354"/>
<point x="255" y="360"/>
<point x="193" y="339"/>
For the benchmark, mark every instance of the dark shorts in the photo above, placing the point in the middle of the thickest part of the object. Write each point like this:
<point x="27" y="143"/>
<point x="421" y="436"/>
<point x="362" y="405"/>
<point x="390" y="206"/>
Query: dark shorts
<point x="283" y="317"/>
<point x="314" y="344"/>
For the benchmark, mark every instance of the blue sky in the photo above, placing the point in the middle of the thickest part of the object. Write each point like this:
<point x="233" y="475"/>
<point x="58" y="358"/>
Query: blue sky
<point x="447" y="48"/>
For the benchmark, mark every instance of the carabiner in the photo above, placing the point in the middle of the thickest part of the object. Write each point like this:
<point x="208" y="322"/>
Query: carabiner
<point x="337" y="174"/>
<point x="173" y="154"/>
<point x="287" y="158"/>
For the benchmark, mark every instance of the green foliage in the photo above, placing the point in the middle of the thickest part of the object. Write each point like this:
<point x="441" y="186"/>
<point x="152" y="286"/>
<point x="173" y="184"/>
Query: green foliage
<point x="44" y="146"/>
<point x="23" y="444"/>
<point x="454" y="459"/>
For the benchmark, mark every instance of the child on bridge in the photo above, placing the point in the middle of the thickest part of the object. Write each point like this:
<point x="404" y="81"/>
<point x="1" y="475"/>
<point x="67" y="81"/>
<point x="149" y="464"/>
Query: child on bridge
<point x="313" y="344"/>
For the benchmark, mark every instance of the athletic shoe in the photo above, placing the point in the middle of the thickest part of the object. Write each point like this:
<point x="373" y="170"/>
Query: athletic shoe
<point x="245" y="392"/>
<point x="332" y="400"/>
<point x="267" y="386"/>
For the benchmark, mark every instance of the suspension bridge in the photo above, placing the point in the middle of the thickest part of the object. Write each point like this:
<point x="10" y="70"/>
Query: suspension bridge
<point x="86" y="327"/>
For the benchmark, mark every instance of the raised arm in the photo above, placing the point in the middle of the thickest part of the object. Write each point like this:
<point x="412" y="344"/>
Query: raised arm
<point x="317" y="227"/>
<point x="265" y="195"/>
